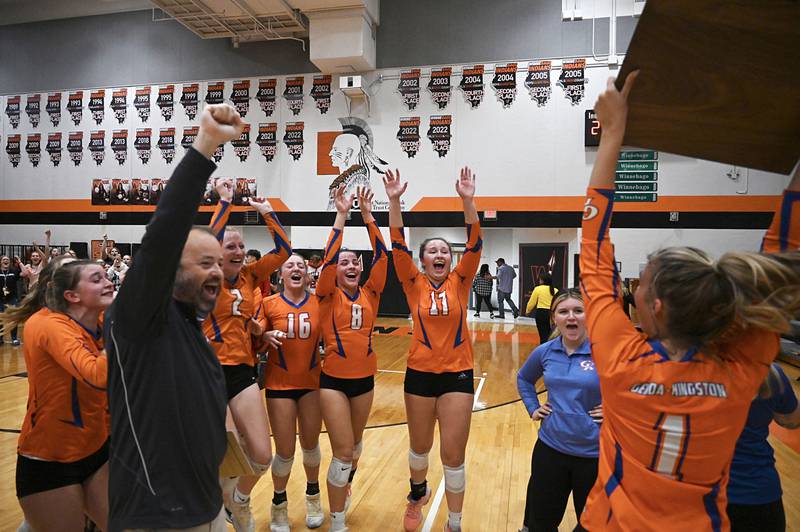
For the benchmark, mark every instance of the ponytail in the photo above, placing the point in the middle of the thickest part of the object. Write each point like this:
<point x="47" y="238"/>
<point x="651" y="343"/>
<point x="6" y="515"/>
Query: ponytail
<point x="35" y="300"/>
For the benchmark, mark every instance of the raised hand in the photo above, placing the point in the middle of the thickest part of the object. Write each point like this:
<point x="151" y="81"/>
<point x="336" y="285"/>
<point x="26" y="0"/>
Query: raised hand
<point x="365" y="196"/>
<point x="48" y="233"/>
<point x="219" y="124"/>
<point x="465" y="184"/>
<point x="261" y="205"/>
<point x="612" y="105"/>
<point x="343" y="203"/>
<point x="224" y="187"/>
<point x="394" y="187"/>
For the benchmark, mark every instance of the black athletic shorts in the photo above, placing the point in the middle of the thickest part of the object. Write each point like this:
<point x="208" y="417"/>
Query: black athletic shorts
<point x="350" y="387"/>
<point x="35" y="476"/>
<point x="239" y="377"/>
<point x="437" y="384"/>
<point x="286" y="394"/>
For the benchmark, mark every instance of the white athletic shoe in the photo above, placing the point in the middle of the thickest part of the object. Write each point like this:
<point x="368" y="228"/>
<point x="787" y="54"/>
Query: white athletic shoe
<point x="241" y="517"/>
<point x="279" y="517"/>
<point x="314" y="515"/>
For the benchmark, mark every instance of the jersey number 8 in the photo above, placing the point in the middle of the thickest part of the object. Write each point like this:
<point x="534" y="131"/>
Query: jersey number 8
<point x="356" y="317"/>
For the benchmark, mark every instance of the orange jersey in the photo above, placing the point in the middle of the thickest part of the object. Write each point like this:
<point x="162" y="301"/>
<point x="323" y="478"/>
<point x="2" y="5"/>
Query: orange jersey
<point x="295" y="365"/>
<point x="670" y="427"/>
<point x="347" y="322"/>
<point x="66" y="419"/>
<point x="441" y="341"/>
<point x="227" y="328"/>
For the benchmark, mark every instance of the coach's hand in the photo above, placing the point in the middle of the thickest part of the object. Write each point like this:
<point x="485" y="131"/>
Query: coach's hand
<point x="219" y="124"/>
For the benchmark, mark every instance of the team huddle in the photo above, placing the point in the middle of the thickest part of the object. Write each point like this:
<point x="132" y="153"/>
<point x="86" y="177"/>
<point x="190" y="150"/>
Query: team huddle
<point x="132" y="396"/>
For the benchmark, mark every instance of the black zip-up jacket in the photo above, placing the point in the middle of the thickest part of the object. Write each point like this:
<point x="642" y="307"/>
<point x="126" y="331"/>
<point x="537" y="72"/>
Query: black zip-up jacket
<point x="165" y="386"/>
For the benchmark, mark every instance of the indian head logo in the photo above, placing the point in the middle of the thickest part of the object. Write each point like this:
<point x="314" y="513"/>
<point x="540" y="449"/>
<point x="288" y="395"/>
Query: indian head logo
<point x="348" y="154"/>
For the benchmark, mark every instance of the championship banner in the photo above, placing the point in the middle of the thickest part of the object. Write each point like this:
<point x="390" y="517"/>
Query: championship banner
<point x="538" y="82"/>
<point x="189" y="99"/>
<point x="75" y="147"/>
<point x="439" y="86"/>
<point x="166" y="143"/>
<point x="34" y="148"/>
<point x="54" y="147"/>
<point x="266" y="95"/>
<point x="119" y="145"/>
<point x="504" y="83"/>
<point x="140" y="192"/>
<point x="218" y="153"/>
<point x="439" y="133"/>
<point x="12" y="149"/>
<point x="119" y="104"/>
<point x="189" y="134"/>
<point x="215" y="93"/>
<point x="293" y="138"/>
<point x="120" y="191"/>
<point x="408" y="135"/>
<point x="97" y="146"/>
<point x="97" y="102"/>
<point x="243" y="190"/>
<point x="166" y="101"/>
<point x="142" y="144"/>
<point x="240" y="96"/>
<point x="34" y="108"/>
<point x="12" y="110"/>
<point x="142" y="103"/>
<point x="53" y="107"/>
<point x="573" y="80"/>
<point x="267" y="140"/>
<point x="75" y="106"/>
<point x="472" y="85"/>
<point x="101" y="191"/>
<point x="408" y="87"/>
<point x="241" y="146"/>
<point x="321" y="92"/>
<point x="294" y="94"/>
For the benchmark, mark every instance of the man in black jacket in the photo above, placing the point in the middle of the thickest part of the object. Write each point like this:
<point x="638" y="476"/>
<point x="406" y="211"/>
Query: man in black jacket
<point x="166" y="389"/>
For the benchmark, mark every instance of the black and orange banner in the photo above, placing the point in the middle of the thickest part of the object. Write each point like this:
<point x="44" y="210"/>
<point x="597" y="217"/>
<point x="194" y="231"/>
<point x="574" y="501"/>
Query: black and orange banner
<point x="166" y="144"/>
<point x="504" y="83"/>
<point x="408" y="135"/>
<point x="54" y="147"/>
<point x="267" y="140"/>
<point x="215" y="93"/>
<point x="294" y="94"/>
<point x="141" y="102"/>
<point x="439" y="86"/>
<point x="241" y="146"/>
<point x="33" y="109"/>
<point x="321" y="92"/>
<point x="240" y="96"/>
<point x="440" y="134"/>
<point x="75" y="147"/>
<point x="538" y="82"/>
<point x="266" y="95"/>
<point x="119" y="104"/>
<point x="408" y="87"/>
<point x="293" y="138"/>
<point x="189" y="99"/>
<point x="97" y="103"/>
<point x="119" y="145"/>
<point x="12" y="110"/>
<point x="53" y="107"/>
<point x="75" y="107"/>
<point x="165" y="101"/>
<point x="472" y="84"/>
<point x="142" y="144"/>
<point x="97" y="146"/>
<point x="573" y="80"/>
<point x="13" y="149"/>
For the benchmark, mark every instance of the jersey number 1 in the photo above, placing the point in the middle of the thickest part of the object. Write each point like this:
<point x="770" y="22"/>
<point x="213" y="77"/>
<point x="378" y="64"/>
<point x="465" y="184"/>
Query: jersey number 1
<point x="236" y="302"/>
<point x="672" y="439"/>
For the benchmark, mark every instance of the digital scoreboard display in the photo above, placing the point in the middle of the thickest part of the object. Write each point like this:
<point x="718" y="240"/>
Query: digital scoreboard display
<point x="591" y="131"/>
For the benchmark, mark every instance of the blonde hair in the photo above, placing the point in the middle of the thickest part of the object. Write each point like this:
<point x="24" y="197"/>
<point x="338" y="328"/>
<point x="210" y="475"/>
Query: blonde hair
<point x="708" y="303"/>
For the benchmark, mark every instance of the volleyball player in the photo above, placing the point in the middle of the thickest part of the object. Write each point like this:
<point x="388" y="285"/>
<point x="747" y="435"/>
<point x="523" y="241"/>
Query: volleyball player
<point x="291" y="319"/>
<point x="676" y="396"/>
<point x="348" y="314"/>
<point x="62" y="462"/>
<point x="229" y="328"/>
<point x="439" y="377"/>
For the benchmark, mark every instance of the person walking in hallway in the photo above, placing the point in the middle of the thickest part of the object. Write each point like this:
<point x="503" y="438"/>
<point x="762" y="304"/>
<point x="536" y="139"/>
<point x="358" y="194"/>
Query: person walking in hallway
<point x="505" y="280"/>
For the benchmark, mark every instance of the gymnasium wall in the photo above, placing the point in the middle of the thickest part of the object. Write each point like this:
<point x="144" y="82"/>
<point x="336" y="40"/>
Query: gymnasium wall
<point x="530" y="160"/>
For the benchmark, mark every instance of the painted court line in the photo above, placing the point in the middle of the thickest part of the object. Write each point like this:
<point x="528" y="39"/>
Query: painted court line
<point x="437" y="498"/>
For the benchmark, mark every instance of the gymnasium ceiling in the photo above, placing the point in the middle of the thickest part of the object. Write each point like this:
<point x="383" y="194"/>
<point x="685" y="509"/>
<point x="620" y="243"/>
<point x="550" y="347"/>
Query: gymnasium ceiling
<point x="239" y="20"/>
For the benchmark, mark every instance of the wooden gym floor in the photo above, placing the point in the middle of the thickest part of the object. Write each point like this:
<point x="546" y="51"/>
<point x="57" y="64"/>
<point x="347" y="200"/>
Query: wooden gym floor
<point x="498" y="455"/>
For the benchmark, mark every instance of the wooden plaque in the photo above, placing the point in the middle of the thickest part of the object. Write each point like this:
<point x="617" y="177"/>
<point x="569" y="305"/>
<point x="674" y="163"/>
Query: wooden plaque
<point x="720" y="80"/>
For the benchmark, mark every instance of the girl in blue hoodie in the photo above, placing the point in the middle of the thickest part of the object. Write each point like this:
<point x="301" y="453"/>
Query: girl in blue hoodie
<point x="564" y="458"/>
